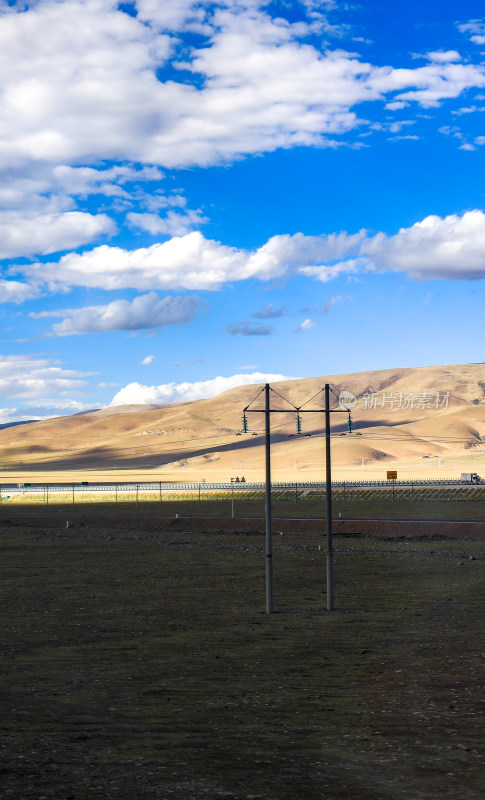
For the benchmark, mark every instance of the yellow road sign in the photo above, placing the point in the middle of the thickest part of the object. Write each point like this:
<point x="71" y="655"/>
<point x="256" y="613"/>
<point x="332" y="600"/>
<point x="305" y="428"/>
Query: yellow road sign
<point x="391" y="475"/>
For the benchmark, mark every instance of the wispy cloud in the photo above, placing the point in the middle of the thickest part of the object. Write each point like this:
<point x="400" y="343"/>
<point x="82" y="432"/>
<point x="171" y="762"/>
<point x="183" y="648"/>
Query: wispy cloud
<point x="475" y="29"/>
<point x="30" y="376"/>
<point x="306" y="325"/>
<point x="192" y="363"/>
<point x="269" y="312"/>
<point x="337" y="299"/>
<point x="246" y="328"/>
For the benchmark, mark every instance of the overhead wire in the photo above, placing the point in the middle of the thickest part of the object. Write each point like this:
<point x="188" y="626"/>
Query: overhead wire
<point x="285" y="399"/>
<point x="444" y="440"/>
<point x="311" y="398"/>
<point x="336" y="396"/>
<point x="255" y="398"/>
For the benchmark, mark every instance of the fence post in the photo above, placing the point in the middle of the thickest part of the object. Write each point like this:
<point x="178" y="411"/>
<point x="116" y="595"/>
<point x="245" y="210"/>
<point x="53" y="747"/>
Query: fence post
<point x="160" y="491"/>
<point x="73" y="494"/>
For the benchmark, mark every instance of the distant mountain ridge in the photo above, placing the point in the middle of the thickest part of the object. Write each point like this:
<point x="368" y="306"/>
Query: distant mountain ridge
<point x="14" y="424"/>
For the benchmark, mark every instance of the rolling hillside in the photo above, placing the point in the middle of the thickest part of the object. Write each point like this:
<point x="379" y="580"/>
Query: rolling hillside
<point x="423" y="417"/>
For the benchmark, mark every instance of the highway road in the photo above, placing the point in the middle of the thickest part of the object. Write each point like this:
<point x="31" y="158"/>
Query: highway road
<point x="157" y="486"/>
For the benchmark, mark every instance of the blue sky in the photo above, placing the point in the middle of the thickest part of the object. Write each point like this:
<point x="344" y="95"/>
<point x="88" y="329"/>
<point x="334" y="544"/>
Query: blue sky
<point x="197" y="195"/>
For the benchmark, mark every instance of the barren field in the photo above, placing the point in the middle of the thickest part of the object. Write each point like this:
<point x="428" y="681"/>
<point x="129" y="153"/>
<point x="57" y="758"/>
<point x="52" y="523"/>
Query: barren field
<point x="139" y="663"/>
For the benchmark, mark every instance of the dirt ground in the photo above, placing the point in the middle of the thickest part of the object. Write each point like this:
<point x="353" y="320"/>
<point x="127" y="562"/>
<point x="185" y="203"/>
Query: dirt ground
<point x="138" y="662"/>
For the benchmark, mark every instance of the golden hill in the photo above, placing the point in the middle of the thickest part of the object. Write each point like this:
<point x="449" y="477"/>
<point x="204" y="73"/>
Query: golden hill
<point x="423" y="421"/>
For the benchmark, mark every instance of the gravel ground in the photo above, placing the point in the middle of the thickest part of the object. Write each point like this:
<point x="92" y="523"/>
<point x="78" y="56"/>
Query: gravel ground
<point x="139" y="663"/>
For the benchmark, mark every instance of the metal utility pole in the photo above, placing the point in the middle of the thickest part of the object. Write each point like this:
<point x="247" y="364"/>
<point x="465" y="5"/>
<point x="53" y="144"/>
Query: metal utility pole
<point x="269" y="543"/>
<point x="328" y="476"/>
<point x="269" y="532"/>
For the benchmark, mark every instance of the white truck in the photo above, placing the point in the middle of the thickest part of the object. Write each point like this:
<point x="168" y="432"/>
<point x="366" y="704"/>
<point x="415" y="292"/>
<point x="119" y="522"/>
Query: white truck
<point x="470" y="477"/>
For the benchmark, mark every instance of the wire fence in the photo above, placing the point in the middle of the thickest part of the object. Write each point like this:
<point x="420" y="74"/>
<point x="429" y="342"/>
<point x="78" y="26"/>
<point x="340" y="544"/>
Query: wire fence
<point x="240" y="493"/>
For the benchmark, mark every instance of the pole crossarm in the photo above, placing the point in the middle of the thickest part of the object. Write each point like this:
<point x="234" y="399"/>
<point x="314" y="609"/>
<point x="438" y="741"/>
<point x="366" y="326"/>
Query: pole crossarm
<point x="292" y="411"/>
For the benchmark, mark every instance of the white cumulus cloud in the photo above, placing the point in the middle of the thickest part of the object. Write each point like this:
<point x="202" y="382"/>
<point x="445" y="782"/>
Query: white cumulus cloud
<point x="178" y="392"/>
<point x="17" y="292"/>
<point x="191" y="262"/>
<point x="81" y="82"/>
<point x="24" y="234"/>
<point x="443" y="56"/>
<point x="145" y="312"/>
<point x="451" y="247"/>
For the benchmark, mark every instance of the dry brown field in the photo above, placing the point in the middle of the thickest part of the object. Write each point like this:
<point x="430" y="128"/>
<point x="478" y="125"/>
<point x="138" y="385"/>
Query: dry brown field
<point x="138" y="662"/>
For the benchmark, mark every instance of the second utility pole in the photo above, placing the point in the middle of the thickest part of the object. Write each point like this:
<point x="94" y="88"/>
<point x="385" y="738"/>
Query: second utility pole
<point x="269" y="535"/>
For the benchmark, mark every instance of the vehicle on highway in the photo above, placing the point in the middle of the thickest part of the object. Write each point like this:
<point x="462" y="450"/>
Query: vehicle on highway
<point x="470" y="477"/>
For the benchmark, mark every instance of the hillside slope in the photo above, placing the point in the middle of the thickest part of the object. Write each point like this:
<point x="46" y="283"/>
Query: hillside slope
<point x="398" y="415"/>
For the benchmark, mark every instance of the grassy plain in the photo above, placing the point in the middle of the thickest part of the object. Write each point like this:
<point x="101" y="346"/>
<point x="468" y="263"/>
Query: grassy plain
<point x="371" y="508"/>
<point x="140" y="664"/>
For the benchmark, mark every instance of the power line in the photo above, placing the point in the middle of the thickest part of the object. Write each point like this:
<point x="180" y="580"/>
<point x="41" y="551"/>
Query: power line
<point x="312" y="398"/>
<point x="285" y="399"/>
<point x="255" y="398"/>
<point x="410" y="439"/>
